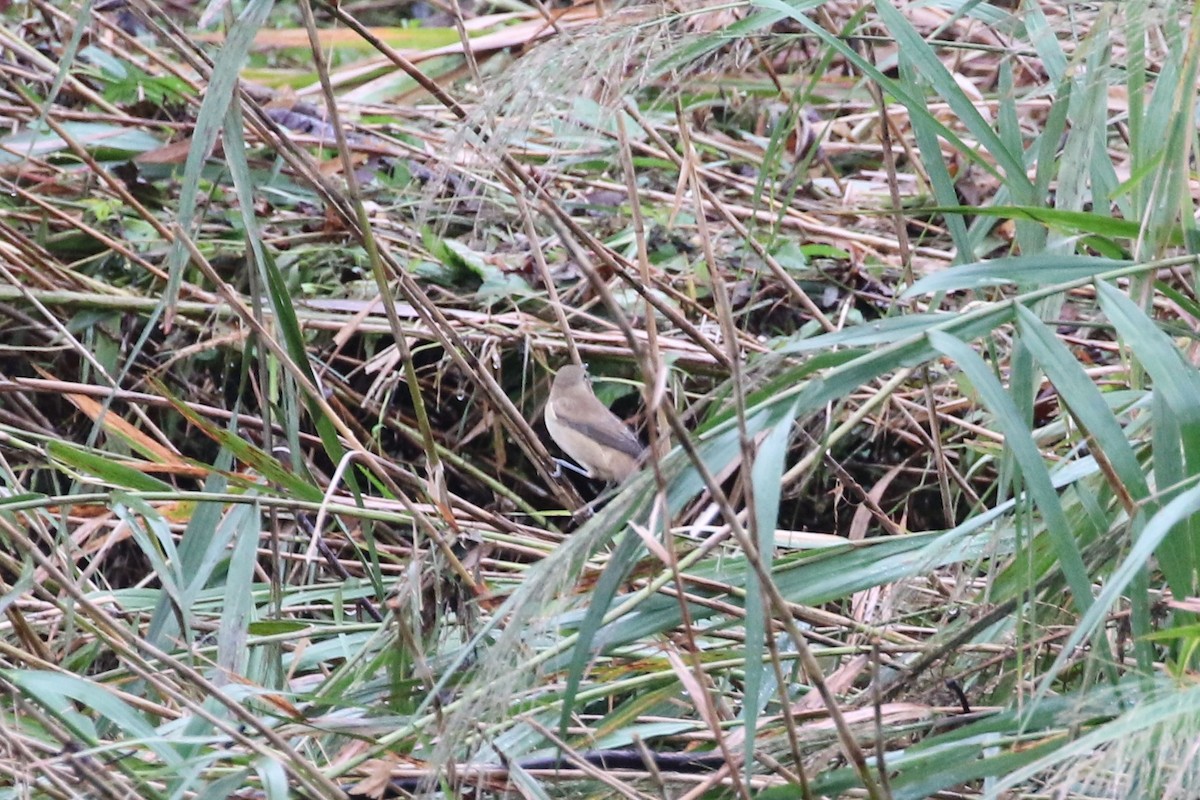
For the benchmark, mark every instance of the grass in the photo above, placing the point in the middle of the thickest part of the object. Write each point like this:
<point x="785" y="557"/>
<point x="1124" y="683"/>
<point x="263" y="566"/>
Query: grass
<point x="902" y="296"/>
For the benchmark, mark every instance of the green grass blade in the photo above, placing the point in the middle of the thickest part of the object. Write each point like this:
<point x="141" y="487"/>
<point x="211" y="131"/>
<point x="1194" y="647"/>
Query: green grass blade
<point x="103" y="468"/>
<point x="221" y="90"/>
<point x="1177" y="384"/>
<point x="930" y="67"/>
<point x="1019" y="440"/>
<point x="1084" y="401"/>
<point x="765" y="476"/>
<point x="1047" y="269"/>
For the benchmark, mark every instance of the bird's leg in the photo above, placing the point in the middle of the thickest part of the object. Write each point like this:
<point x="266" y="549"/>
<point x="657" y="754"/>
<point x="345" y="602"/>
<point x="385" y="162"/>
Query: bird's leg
<point x="562" y="462"/>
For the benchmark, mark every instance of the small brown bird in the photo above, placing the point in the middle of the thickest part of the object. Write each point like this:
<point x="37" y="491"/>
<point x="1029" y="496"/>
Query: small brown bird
<point x="587" y="431"/>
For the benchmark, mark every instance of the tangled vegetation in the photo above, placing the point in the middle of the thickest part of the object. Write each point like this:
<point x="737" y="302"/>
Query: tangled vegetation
<point x="901" y="297"/>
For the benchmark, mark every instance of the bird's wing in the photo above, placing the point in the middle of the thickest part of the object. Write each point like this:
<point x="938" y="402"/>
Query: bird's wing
<point x="626" y="442"/>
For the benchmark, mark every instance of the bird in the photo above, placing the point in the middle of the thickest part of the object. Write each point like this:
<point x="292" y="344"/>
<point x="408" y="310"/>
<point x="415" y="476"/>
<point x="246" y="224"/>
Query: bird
<point x="587" y="431"/>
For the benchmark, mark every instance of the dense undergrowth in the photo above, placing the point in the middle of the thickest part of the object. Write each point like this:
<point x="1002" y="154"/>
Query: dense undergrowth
<point x="902" y="297"/>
